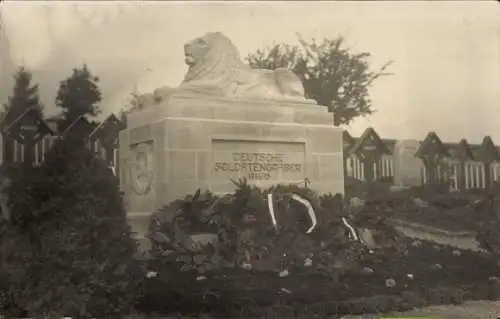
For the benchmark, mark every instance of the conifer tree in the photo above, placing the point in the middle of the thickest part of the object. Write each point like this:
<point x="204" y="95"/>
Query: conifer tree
<point x="70" y="216"/>
<point x="24" y="96"/>
<point x="79" y="94"/>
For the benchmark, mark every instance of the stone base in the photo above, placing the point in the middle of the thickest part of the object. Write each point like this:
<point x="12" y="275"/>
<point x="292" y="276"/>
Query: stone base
<point x="191" y="142"/>
<point x="140" y="224"/>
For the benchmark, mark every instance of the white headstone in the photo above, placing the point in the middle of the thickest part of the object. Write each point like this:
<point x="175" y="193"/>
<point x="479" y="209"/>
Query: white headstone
<point x="407" y="167"/>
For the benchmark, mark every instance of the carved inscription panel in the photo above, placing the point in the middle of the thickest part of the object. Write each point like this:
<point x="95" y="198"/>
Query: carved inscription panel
<point x="258" y="160"/>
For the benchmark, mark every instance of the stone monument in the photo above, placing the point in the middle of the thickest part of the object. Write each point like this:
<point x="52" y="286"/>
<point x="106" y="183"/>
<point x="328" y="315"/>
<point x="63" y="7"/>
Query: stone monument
<point x="407" y="167"/>
<point x="225" y="121"/>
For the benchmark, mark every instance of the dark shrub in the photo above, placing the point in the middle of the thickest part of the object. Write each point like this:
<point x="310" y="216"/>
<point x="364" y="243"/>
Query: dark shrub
<point x="487" y="221"/>
<point x="247" y="240"/>
<point x="70" y="251"/>
<point x="344" y="277"/>
<point x="245" y="231"/>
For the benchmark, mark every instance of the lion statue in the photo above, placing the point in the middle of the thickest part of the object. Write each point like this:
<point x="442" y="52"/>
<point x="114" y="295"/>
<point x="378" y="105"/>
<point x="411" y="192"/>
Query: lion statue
<point x="216" y="69"/>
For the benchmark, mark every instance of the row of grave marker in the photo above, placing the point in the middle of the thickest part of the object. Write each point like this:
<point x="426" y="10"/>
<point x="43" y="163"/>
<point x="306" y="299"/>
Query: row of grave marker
<point x="370" y="150"/>
<point x="30" y="128"/>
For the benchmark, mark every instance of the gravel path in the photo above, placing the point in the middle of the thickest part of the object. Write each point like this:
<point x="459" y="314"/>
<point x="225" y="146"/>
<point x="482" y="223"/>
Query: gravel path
<point x="469" y="310"/>
<point x="462" y="242"/>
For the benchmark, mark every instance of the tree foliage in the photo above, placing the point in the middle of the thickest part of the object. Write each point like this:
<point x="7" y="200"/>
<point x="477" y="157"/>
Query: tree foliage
<point x="24" y="96"/>
<point x="332" y="74"/>
<point x="133" y="103"/>
<point x="78" y="95"/>
<point x="70" y="250"/>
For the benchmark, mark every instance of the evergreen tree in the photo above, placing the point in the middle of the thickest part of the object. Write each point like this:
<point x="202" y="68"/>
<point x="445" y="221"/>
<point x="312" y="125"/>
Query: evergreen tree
<point x="72" y="238"/>
<point x="24" y="96"/>
<point x="78" y="95"/>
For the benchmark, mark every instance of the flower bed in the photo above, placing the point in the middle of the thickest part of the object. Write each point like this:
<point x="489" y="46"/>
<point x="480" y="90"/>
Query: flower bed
<point x="257" y="269"/>
<point x="426" y="274"/>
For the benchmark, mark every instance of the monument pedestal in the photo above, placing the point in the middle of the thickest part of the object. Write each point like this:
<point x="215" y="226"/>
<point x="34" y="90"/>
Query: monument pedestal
<point x="188" y="142"/>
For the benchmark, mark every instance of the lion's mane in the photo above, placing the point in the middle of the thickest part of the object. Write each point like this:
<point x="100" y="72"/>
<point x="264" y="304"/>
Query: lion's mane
<point x="217" y="68"/>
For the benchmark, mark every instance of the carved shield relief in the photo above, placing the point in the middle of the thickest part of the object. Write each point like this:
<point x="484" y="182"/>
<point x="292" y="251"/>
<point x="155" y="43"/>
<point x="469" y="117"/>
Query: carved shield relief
<point x="142" y="168"/>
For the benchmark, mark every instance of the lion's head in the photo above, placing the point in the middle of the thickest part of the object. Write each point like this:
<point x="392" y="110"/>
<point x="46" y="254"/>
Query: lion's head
<point x="215" y="68"/>
<point x="211" y="57"/>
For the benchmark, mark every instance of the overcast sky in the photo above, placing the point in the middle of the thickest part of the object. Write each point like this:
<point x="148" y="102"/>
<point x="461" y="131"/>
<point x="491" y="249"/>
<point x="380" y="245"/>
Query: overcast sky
<point x="446" y="54"/>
